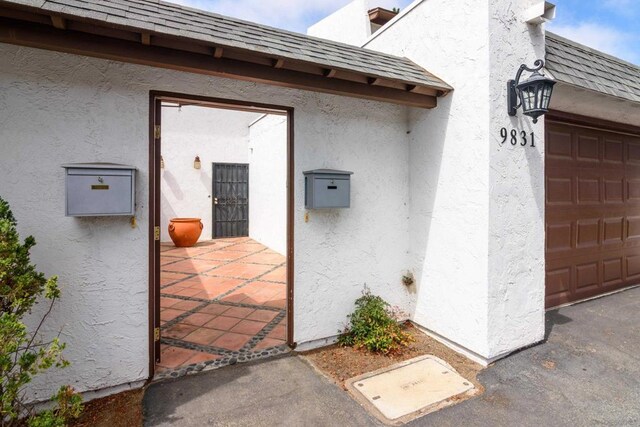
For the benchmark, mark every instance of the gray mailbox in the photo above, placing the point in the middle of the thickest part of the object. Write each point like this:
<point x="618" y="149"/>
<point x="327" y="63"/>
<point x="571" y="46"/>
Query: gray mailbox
<point x="100" y="189"/>
<point x="327" y="188"/>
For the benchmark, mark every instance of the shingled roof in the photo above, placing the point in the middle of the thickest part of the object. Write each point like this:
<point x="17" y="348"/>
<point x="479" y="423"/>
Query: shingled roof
<point x="170" y="19"/>
<point x="578" y="65"/>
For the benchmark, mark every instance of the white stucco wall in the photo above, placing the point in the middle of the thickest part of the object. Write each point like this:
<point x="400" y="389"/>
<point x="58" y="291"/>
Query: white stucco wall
<point x="516" y="279"/>
<point x="216" y="136"/>
<point x="268" y="182"/>
<point x="350" y="24"/>
<point x="449" y="174"/>
<point x="53" y="110"/>
<point x="58" y="108"/>
<point x="476" y="219"/>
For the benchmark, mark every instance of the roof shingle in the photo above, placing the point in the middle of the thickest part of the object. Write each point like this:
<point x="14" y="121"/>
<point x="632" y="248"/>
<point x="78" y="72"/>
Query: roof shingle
<point x="579" y="65"/>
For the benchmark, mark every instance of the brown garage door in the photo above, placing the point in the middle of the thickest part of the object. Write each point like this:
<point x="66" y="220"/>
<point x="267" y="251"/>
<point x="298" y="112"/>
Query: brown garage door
<point x="592" y="211"/>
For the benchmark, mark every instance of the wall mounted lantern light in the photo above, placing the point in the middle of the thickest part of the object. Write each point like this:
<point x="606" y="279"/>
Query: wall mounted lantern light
<point x="533" y="94"/>
<point x="196" y="163"/>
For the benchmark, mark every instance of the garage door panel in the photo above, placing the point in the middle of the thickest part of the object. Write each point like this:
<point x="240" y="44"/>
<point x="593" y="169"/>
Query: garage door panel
<point x="612" y="271"/>
<point x="633" y="152"/>
<point x="560" y="145"/>
<point x="633" y="190"/>
<point x="592" y="212"/>
<point x="587" y="275"/>
<point x="613" y="231"/>
<point x="558" y="282"/>
<point x="560" y="190"/>
<point x="613" y="190"/>
<point x="587" y="233"/>
<point x="613" y="151"/>
<point x="633" y="267"/>
<point x="588" y="190"/>
<point x="588" y="148"/>
<point x="633" y="228"/>
<point x="559" y="237"/>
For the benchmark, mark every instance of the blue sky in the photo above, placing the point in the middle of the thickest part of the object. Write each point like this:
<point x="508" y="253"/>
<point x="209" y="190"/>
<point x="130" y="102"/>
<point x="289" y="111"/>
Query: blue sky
<point x="612" y="26"/>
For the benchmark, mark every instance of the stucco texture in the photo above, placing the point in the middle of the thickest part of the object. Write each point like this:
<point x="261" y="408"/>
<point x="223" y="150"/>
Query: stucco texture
<point x="59" y="108"/>
<point x="449" y="178"/>
<point x="516" y="276"/>
<point x="477" y="206"/>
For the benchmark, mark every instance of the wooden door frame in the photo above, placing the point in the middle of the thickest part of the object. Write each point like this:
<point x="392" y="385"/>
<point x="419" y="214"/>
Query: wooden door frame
<point x="154" y="201"/>
<point x="213" y="194"/>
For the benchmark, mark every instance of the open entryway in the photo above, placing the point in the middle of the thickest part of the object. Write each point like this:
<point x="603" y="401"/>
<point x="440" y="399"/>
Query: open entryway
<point x="221" y="209"/>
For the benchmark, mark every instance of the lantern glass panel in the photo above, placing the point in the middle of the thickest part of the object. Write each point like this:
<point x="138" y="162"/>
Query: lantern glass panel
<point x="546" y="97"/>
<point x="528" y="96"/>
<point x="539" y="94"/>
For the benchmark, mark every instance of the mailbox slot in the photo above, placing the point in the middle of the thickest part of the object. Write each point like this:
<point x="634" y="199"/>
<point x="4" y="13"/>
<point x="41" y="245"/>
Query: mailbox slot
<point x="327" y="188"/>
<point x="99" y="189"/>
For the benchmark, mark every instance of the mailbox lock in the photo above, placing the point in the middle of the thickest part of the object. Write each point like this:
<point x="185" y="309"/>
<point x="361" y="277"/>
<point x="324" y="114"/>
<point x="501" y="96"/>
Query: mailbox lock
<point x="100" y="179"/>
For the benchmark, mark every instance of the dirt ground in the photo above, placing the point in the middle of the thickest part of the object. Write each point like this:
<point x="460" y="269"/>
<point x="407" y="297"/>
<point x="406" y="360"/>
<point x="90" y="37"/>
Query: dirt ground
<point x="341" y="363"/>
<point x="118" y="410"/>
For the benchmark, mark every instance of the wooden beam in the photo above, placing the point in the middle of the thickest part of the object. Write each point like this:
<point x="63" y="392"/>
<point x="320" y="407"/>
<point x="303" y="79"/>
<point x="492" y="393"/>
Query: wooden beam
<point x="330" y="73"/>
<point x="218" y="52"/>
<point x="278" y="63"/>
<point x="145" y="38"/>
<point x="59" y="22"/>
<point x="45" y="37"/>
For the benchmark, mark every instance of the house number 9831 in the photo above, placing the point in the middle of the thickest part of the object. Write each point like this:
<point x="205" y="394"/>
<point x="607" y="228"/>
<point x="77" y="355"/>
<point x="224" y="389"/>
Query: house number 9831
<point x="514" y="137"/>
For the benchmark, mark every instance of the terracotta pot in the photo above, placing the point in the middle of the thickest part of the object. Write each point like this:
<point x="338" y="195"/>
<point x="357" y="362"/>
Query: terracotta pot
<point x="185" y="231"/>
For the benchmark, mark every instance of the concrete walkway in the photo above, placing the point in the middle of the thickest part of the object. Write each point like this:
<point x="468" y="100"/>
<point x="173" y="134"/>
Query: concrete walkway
<point x="587" y="373"/>
<point x="279" y="392"/>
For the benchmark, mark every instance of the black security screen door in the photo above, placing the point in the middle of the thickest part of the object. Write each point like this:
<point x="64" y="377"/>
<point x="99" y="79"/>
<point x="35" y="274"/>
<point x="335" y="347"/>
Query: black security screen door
<point x="230" y="200"/>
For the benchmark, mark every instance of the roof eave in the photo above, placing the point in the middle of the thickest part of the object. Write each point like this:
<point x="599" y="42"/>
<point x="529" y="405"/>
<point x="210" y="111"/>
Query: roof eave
<point x="33" y="26"/>
<point x="580" y="66"/>
<point x="566" y="82"/>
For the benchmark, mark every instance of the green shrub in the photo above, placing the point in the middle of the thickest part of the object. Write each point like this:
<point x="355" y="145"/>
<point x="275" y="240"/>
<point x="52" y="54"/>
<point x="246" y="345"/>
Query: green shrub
<point x="22" y="354"/>
<point x="372" y="326"/>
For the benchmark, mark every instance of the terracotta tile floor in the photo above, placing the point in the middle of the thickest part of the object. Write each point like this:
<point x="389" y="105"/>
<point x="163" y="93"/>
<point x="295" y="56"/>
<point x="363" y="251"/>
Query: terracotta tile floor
<point x="220" y="295"/>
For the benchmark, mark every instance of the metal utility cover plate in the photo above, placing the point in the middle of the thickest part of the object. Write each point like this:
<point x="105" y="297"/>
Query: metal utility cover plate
<point x="410" y="386"/>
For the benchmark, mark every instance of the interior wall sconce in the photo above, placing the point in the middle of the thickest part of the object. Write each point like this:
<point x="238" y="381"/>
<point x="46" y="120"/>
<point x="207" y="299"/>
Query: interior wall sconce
<point x="161" y="162"/>
<point x="533" y="94"/>
<point x="196" y="163"/>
